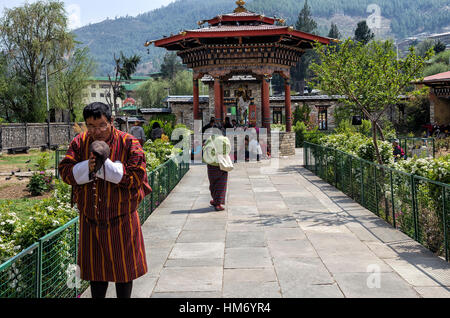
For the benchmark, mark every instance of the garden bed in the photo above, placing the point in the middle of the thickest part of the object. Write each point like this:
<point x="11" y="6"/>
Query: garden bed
<point x="50" y="230"/>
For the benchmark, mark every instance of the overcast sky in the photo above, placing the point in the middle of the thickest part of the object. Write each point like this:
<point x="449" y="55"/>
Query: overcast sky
<point x="82" y="12"/>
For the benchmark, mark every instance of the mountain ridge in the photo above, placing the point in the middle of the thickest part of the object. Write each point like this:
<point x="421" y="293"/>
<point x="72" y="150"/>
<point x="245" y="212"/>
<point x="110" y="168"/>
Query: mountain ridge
<point x="128" y="34"/>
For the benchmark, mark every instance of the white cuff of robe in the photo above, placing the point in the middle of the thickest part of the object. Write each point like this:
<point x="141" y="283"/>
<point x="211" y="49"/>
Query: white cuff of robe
<point x="114" y="171"/>
<point x="81" y="172"/>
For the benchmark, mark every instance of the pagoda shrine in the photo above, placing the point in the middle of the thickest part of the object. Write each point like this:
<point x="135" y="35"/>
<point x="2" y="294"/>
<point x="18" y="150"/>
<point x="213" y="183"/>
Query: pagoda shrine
<point x="238" y="53"/>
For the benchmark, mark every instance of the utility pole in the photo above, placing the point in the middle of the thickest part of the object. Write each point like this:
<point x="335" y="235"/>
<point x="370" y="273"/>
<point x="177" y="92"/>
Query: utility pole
<point x="48" y="108"/>
<point x="168" y="96"/>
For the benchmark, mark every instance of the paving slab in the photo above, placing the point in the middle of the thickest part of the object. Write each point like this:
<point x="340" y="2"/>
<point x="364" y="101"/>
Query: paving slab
<point x="190" y="279"/>
<point x="192" y="236"/>
<point x="284" y="233"/>
<point x="247" y="257"/>
<point x="197" y="250"/>
<point x="368" y="285"/>
<point x="246" y="239"/>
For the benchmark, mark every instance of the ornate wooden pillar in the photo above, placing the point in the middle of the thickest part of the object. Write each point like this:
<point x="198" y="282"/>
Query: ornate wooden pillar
<point x="196" y="99"/>
<point x="265" y="101"/>
<point x="224" y="109"/>
<point x="217" y="99"/>
<point x="287" y="103"/>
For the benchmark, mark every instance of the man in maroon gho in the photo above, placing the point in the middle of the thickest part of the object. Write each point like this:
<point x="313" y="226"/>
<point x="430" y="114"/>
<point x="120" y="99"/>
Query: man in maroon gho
<point x="111" y="245"/>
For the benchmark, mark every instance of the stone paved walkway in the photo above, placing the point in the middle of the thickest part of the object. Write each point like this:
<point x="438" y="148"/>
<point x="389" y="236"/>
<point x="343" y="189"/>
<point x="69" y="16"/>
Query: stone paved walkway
<point x="285" y="233"/>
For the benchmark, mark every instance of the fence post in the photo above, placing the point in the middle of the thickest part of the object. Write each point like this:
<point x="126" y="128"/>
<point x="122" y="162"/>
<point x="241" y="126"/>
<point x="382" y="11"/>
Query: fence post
<point x="56" y="163"/>
<point x="362" y="183"/>
<point x="434" y="149"/>
<point x="444" y="217"/>
<point x="351" y="177"/>
<point x="376" y="189"/>
<point x="39" y="272"/>
<point x="413" y="194"/>
<point x="393" y="203"/>
<point x="335" y="168"/>
<point x="75" y="249"/>
<point x="152" y="178"/>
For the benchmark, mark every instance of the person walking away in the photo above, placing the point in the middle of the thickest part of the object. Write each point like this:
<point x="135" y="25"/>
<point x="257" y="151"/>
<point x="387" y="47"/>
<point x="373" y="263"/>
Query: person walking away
<point x="138" y="132"/>
<point x="111" y="245"/>
<point x="218" y="178"/>
<point x="156" y="132"/>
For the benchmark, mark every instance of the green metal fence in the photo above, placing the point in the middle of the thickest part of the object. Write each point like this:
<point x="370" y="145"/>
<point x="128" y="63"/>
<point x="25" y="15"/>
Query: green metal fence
<point x="420" y="147"/>
<point x="417" y="206"/>
<point x="47" y="268"/>
<point x="59" y="156"/>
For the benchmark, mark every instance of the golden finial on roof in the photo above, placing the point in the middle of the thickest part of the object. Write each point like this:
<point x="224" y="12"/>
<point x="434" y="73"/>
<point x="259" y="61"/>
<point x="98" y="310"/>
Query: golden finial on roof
<point x="240" y="7"/>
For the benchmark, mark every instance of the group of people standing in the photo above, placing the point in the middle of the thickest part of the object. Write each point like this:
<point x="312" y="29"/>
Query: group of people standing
<point x="252" y="146"/>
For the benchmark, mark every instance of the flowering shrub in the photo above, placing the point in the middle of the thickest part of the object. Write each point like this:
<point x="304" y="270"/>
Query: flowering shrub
<point x="9" y="224"/>
<point x="40" y="183"/>
<point x="358" y="145"/>
<point x="433" y="169"/>
<point x="159" y="151"/>
<point x="47" y="215"/>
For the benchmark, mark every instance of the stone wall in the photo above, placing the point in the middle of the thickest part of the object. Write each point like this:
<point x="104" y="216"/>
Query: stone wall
<point x="184" y="110"/>
<point x="287" y="143"/>
<point x="34" y="135"/>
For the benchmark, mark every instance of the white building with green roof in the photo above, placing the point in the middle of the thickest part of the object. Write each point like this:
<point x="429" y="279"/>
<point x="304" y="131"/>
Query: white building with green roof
<point x="99" y="89"/>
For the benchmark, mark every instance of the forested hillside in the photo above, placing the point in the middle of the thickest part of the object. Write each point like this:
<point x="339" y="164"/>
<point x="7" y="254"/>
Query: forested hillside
<point x="128" y="34"/>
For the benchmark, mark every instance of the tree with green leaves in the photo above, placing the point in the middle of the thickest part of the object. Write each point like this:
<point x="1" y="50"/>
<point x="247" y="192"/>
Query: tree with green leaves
<point x="369" y="76"/>
<point x="423" y="47"/>
<point x="171" y="65"/>
<point x="363" y="34"/>
<point x="124" y="68"/>
<point x="12" y="93"/>
<point x="301" y="114"/>
<point x="35" y="37"/>
<point x="153" y="92"/>
<point x="68" y="85"/>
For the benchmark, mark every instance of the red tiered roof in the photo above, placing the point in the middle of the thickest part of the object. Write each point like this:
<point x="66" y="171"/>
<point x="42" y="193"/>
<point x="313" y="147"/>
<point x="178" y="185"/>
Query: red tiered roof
<point x="240" y="23"/>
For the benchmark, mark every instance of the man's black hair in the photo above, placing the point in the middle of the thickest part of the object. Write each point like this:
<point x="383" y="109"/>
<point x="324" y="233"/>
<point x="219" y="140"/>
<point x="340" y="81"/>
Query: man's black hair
<point x="96" y="110"/>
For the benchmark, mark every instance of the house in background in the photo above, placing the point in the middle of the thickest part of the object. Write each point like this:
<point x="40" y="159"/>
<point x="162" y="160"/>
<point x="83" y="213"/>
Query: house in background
<point x="439" y="97"/>
<point x="99" y="89"/>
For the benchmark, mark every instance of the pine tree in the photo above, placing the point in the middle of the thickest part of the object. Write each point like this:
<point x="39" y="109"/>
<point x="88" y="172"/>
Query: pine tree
<point x="439" y="47"/>
<point x="305" y="22"/>
<point x="363" y="33"/>
<point x="334" y="32"/>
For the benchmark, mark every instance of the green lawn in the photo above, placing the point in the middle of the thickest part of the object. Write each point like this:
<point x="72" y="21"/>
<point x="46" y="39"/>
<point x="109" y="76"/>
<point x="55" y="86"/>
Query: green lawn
<point x="22" y="207"/>
<point x="19" y="161"/>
